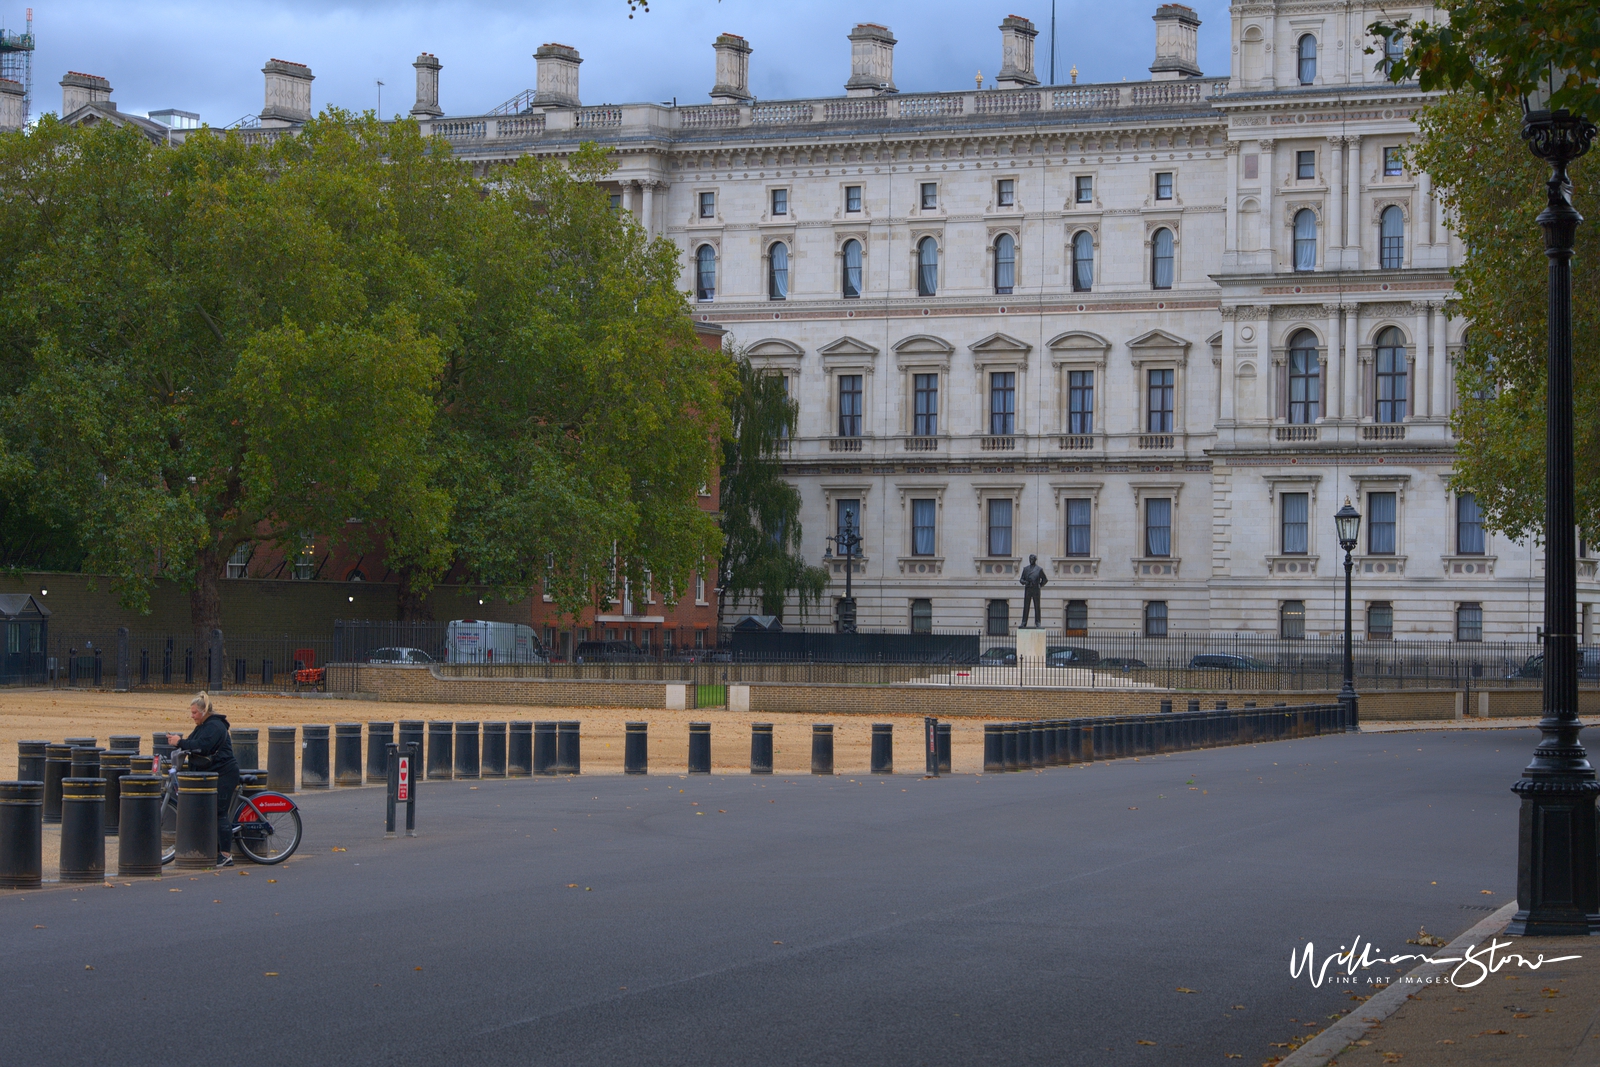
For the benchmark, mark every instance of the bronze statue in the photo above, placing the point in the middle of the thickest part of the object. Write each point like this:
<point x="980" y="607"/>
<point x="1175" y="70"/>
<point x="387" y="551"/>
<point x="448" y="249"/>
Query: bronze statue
<point x="1033" y="579"/>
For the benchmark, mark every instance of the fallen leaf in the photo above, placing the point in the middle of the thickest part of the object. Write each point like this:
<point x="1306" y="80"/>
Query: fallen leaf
<point x="1133" y="809"/>
<point x="722" y="811"/>
<point x="174" y="890"/>
<point x="87" y="967"/>
<point x="777" y="942"/>
<point x="244" y="874"/>
<point x="1232" y="1056"/>
<point x="1238" y="1007"/>
<point x="216" y="902"/>
<point x="37" y="927"/>
<point x="1446" y="1041"/>
<point x="1551" y="993"/>
<point x="1522" y="1015"/>
<point x="1488" y="1032"/>
<point x="1426" y="939"/>
<point x="270" y="880"/>
<point x="586" y="889"/>
<point x="336" y="848"/>
<point x="572" y="885"/>
<point x="1487" y="892"/>
<point x="270" y="974"/>
<point x="1142" y="1041"/>
<point x="1185" y="989"/>
<point x="416" y="968"/>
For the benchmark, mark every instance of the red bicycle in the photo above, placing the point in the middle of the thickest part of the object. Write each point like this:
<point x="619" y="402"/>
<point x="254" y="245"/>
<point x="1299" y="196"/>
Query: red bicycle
<point x="266" y="825"/>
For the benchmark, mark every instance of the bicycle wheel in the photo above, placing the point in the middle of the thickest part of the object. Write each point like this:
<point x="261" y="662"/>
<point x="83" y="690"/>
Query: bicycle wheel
<point x="169" y="826"/>
<point x="268" y="827"/>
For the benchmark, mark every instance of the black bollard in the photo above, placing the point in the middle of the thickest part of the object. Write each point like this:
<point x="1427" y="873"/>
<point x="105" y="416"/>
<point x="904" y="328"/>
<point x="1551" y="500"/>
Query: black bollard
<point x="314" y="756"/>
<point x="567" y="757"/>
<point x="519" y="749"/>
<point x="699" y="748"/>
<point x="761" y="748"/>
<point x="821" y="749"/>
<point x="410" y="731"/>
<point x="246" y="745"/>
<point x="1047" y="734"/>
<point x="636" y="748"/>
<point x="85" y="761"/>
<point x="160" y="746"/>
<point x="1036" y="744"/>
<point x="30" y="761"/>
<point x="125" y="743"/>
<point x="1075" y="743"/>
<point x="83" y="832"/>
<point x="1100" y="740"/>
<point x="943" y="738"/>
<point x="467" y="751"/>
<point x="280" y="758"/>
<point x="197" y="820"/>
<point x="79" y="742"/>
<point x="994" y="752"/>
<point x="544" y="748"/>
<point x="380" y="735"/>
<point x="441" y="759"/>
<point x="142" y="765"/>
<point x="494" y="750"/>
<point x="57" y="766"/>
<point x="1008" y="751"/>
<point x="346" y="754"/>
<point x="139" y="842"/>
<point x="113" y="766"/>
<point x="883" y="748"/>
<point x="21" y="834"/>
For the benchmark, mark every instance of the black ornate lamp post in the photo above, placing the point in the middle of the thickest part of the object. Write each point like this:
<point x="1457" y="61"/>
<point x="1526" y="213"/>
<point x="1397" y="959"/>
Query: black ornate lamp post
<point x="1556" y="848"/>
<point x="846" y="541"/>
<point x="1347" y="520"/>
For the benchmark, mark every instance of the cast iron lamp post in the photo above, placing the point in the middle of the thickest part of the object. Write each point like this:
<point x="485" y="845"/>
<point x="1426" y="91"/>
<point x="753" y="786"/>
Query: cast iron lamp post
<point x="1556" y="845"/>
<point x="846" y="541"/>
<point x="1347" y="520"/>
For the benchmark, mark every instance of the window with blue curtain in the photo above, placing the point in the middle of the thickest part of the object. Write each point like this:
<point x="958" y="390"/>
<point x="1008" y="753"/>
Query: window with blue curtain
<point x="1305" y="379"/>
<point x="849" y="405"/>
<point x="1000" y="527"/>
<point x="927" y="267"/>
<point x="849" y="518"/>
<point x="1161" y="413"/>
<point x="923" y="515"/>
<point x="851" y="285"/>
<point x="1003" y="403"/>
<point x="1161" y="260"/>
<point x="1380" y="524"/>
<point x="1080" y="401"/>
<point x="1469" y="526"/>
<point x="1305" y="240"/>
<point x="926" y="400"/>
<point x="1079" y="511"/>
<point x="1158" y="527"/>
<point x="1005" y="264"/>
<point x="1296" y="527"/>
<point x="778" y="272"/>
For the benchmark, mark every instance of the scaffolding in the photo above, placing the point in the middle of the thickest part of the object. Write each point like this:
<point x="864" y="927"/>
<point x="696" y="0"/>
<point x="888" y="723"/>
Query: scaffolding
<point x="16" y="62"/>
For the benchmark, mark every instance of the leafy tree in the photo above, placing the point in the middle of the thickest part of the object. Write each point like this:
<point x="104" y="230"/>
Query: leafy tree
<point x="760" y="510"/>
<point x="35" y="538"/>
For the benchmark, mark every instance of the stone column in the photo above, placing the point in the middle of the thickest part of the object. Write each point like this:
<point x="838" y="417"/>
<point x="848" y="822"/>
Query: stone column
<point x="1230" y="243"/>
<point x="1424" y="234"/>
<point x="1441" y="364"/>
<point x="1352" y="212"/>
<point x="1333" y="373"/>
<point x="1225" y="387"/>
<point x="1269" y="224"/>
<point x="1352" y="389"/>
<point x="1335" y="200"/>
<point x="647" y="190"/>
<point x="1417" y="396"/>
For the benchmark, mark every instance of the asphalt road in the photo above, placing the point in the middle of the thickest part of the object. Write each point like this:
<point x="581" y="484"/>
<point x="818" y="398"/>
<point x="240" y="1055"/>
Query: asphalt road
<point x="1035" y="918"/>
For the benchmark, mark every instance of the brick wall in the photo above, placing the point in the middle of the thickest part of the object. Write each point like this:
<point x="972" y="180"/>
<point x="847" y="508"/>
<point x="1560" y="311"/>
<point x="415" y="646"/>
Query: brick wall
<point x="420" y="685"/>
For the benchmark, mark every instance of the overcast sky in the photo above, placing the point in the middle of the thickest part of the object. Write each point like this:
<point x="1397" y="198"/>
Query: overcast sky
<point x="207" y="57"/>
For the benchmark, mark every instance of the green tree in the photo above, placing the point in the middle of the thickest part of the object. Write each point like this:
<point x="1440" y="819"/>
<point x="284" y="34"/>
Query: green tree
<point x="760" y="510"/>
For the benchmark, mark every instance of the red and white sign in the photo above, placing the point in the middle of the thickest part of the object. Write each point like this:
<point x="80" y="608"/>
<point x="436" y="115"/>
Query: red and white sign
<point x="405" y="778"/>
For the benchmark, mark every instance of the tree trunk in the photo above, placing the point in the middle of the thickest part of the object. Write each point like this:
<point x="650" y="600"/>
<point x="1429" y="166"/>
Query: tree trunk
<point x="411" y="603"/>
<point x="205" y="604"/>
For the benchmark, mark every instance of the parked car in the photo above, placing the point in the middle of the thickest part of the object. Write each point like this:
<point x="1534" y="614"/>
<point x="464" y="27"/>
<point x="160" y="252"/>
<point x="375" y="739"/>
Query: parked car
<point x="999" y="656"/>
<point x="1227" y="661"/>
<point x="1070" y="656"/>
<point x="1588" y="665"/>
<point x="398" y="655"/>
<point x="1121" y="663"/>
<point x="611" y="652"/>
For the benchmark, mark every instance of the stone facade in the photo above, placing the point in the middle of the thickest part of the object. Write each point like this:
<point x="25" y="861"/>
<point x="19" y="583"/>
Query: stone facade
<point x="983" y="253"/>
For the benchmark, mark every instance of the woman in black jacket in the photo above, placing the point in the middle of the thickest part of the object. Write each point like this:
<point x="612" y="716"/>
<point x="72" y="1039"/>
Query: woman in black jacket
<point x="210" y="748"/>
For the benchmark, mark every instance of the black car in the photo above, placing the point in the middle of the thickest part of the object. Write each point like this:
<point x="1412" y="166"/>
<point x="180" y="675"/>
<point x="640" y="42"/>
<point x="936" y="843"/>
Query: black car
<point x="1227" y="661"/>
<point x="1070" y="656"/>
<point x="1121" y="663"/>
<point x="611" y="652"/>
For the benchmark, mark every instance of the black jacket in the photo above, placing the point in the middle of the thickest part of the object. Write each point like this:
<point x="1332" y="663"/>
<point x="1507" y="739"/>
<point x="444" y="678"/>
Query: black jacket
<point x="210" y="743"/>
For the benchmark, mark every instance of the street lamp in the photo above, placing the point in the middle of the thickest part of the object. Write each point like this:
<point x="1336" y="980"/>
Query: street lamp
<point x="847" y="540"/>
<point x="1347" y="520"/>
<point x="1556" y="846"/>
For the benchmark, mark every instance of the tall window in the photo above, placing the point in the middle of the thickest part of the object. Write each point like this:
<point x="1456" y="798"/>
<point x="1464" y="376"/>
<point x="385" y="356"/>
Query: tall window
<point x="1380" y="620"/>
<point x="1392" y="237"/>
<point x="616" y="201"/>
<point x="1158" y="527"/>
<point x="1080" y="401"/>
<point x="1155" y="618"/>
<point x="1391" y="376"/>
<point x="851" y="286"/>
<point x="1000" y="527"/>
<point x="1006" y="192"/>
<point x="926" y="400"/>
<point x="1161" y="260"/>
<point x="849" y="518"/>
<point x="1003" y="403"/>
<point x="922" y="616"/>
<point x="708" y="205"/>
<point x="999" y="618"/>
<point x="778" y="272"/>
<point x="1305" y="379"/>
<point x="1296" y="528"/>
<point x="927" y="267"/>
<point x="1164" y="185"/>
<point x="1083" y="185"/>
<point x="930" y="196"/>
<point x="852" y="198"/>
<point x="1394" y="165"/>
<point x="305" y="563"/>
<point x="1308" y="59"/>
<point x="1077" y="617"/>
<point x="1292" y="620"/>
<point x="1305" y="239"/>
<point x="1305" y="165"/>
<point x="849" y="405"/>
<point x="1082" y="262"/>
<point x="1394" y="50"/>
<point x="1469" y="526"/>
<point x="1469" y="622"/>
<point x="705" y="273"/>
<point x="239" y="562"/>
<point x="1159" y="416"/>
<point x="780" y="201"/>
<point x="1005" y="264"/>
<point x="923" y="517"/>
<point x="1079" y="510"/>
<point x="1380" y="524"/>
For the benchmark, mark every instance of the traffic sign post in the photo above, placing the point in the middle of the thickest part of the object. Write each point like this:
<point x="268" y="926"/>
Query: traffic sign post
<point x="402" y="787"/>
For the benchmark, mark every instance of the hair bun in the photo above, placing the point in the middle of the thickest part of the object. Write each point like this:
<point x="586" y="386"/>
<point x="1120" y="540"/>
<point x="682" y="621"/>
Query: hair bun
<point x="203" y="700"/>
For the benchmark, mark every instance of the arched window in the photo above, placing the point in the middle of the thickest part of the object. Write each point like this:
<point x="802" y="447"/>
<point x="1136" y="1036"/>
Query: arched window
<point x="778" y="272"/>
<point x="1005" y="264"/>
<point x="1305" y="379"/>
<point x="927" y="267"/>
<point x="1308" y="59"/>
<point x="1305" y="239"/>
<point x="1392" y="237"/>
<point x="1082" y="262"/>
<point x="1391" y="376"/>
<point x="705" y="273"/>
<point x="852" y="269"/>
<point x="1161" y="260"/>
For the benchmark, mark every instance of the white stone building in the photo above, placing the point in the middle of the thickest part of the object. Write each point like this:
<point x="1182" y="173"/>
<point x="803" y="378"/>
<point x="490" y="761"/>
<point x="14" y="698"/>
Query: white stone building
<point x="1154" y="332"/>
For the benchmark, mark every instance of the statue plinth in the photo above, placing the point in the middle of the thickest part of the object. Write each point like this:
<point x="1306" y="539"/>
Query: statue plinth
<point x="1030" y="644"/>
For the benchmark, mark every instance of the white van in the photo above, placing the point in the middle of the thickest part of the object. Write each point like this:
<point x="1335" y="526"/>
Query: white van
<point x="471" y="641"/>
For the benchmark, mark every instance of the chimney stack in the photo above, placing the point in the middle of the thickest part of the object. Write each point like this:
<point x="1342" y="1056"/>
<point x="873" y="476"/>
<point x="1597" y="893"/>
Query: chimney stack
<point x="1016" y="53"/>
<point x="871" y="61"/>
<point x="1177" y="43"/>
<point x="558" y="76"/>
<point x="733" y="70"/>
<point x="13" y="115"/>
<point x="427" y="105"/>
<point x="78" y="90"/>
<point x="288" y="100"/>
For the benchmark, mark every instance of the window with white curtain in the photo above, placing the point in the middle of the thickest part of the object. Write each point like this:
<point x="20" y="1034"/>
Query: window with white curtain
<point x="1000" y="527"/>
<point x="1079" y="512"/>
<point x="1005" y="264"/>
<point x="1392" y="238"/>
<point x="1391" y="376"/>
<point x="927" y="267"/>
<point x="1082" y="262"/>
<point x="1308" y="59"/>
<point x="778" y="272"/>
<point x="1296" y="528"/>
<point x="1161" y="259"/>
<point x="923" y="517"/>
<point x="851" y="258"/>
<point x="1158" y="527"/>
<point x="1305" y="379"/>
<point x="1305" y="240"/>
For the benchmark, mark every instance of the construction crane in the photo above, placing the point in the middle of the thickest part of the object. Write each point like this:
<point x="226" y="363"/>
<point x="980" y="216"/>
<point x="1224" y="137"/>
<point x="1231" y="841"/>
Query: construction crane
<point x="16" y="62"/>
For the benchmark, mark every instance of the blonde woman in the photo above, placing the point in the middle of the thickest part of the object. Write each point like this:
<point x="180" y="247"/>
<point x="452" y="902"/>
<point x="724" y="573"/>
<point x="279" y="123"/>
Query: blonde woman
<point x="210" y="748"/>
